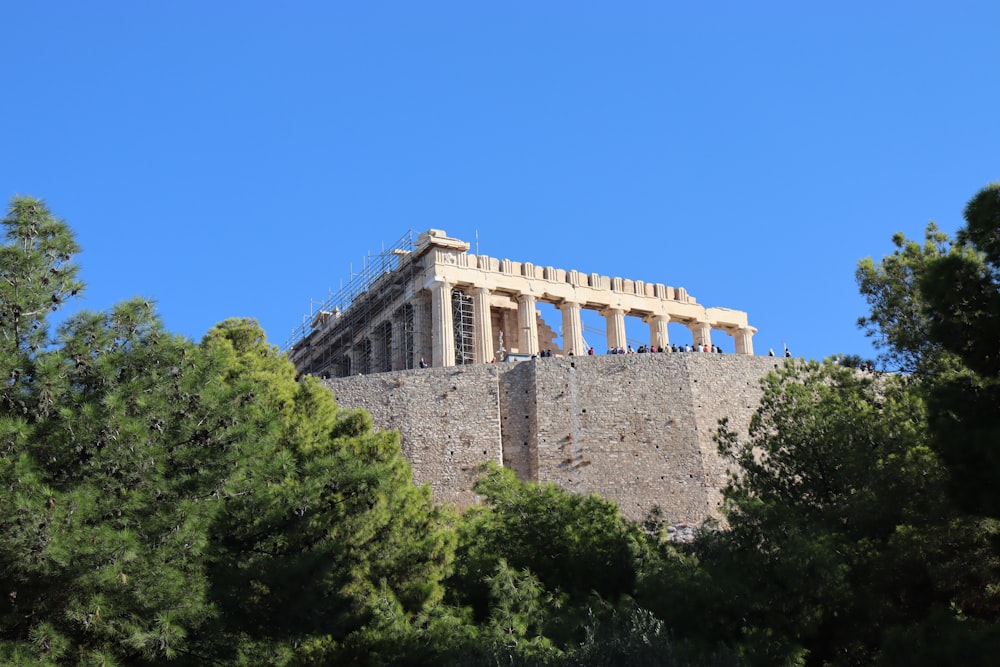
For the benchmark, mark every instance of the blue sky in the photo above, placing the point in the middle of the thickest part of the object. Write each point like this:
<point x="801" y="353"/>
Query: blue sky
<point x="240" y="158"/>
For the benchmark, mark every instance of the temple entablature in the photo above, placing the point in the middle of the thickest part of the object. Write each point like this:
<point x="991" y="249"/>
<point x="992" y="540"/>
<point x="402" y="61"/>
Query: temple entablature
<point x="504" y="267"/>
<point x="440" y="305"/>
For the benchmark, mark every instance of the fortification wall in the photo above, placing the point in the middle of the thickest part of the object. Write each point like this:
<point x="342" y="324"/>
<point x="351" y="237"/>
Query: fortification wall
<point x="449" y="419"/>
<point x="623" y="427"/>
<point x="519" y="418"/>
<point x="636" y="429"/>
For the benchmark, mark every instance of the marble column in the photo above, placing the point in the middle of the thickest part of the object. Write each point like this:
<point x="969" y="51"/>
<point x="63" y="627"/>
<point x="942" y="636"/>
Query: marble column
<point x="398" y="359"/>
<point x="482" y="325"/>
<point x="421" y="330"/>
<point x="381" y="351"/>
<point x="744" y="340"/>
<point x="702" y="333"/>
<point x="658" y="335"/>
<point x="442" y="324"/>
<point x="616" y="327"/>
<point x="357" y="356"/>
<point x="528" y="324"/>
<point x="508" y="326"/>
<point x="572" y="333"/>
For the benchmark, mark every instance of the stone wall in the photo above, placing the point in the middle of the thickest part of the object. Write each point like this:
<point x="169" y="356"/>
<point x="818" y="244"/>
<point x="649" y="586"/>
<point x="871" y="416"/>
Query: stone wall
<point x="449" y="419"/>
<point x="636" y="429"/>
<point x="519" y="418"/>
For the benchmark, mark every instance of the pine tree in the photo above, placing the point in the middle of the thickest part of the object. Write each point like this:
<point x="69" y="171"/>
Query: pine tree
<point x="165" y="500"/>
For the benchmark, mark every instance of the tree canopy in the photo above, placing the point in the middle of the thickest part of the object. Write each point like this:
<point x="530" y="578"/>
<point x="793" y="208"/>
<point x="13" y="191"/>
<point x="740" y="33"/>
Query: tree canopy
<point x="840" y="524"/>
<point x="165" y="501"/>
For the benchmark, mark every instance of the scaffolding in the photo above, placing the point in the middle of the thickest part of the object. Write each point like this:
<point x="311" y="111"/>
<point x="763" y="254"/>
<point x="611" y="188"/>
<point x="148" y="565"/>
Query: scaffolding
<point x="328" y="341"/>
<point x="462" y="317"/>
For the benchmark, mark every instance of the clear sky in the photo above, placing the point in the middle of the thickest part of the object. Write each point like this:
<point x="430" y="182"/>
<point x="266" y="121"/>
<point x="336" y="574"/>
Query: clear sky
<point x="240" y="158"/>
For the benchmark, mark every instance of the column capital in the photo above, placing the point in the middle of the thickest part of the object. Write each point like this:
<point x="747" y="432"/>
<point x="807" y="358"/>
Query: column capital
<point x="702" y="332"/>
<point x="653" y="318"/>
<point x="744" y="340"/>
<point x="437" y="282"/>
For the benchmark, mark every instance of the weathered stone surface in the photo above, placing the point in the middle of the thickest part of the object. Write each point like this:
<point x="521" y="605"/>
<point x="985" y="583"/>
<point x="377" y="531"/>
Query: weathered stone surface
<point x="636" y="429"/>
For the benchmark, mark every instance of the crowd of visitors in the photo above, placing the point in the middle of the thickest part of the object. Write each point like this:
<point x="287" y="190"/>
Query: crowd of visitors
<point x="642" y="349"/>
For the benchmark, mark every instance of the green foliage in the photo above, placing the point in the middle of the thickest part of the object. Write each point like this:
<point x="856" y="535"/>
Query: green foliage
<point x="982" y="224"/>
<point x="899" y="320"/>
<point x="577" y="545"/>
<point x="943" y="639"/>
<point x="167" y="501"/>
<point x="37" y="275"/>
<point x="107" y="493"/>
<point x="938" y="307"/>
<point x="962" y="292"/>
<point x="691" y="601"/>
<point x="845" y="544"/>
<point x="318" y="527"/>
<point x="554" y="578"/>
<point x="534" y="563"/>
<point x="637" y="637"/>
<point x="840" y="527"/>
<point x="162" y="500"/>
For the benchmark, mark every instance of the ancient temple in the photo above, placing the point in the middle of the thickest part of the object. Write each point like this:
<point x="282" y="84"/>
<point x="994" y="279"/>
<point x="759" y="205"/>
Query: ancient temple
<point x="432" y="302"/>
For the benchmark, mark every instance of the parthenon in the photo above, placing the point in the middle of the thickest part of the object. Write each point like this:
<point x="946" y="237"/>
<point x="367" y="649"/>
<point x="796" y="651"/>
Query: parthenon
<point x="436" y="303"/>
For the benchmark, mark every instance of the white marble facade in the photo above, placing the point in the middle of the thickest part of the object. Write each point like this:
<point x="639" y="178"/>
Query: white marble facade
<point x="407" y="316"/>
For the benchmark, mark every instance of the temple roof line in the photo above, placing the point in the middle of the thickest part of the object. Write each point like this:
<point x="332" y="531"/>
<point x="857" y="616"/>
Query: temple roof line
<point x="452" y="261"/>
<point x="434" y="303"/>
